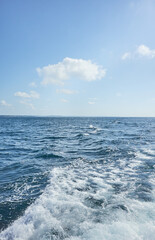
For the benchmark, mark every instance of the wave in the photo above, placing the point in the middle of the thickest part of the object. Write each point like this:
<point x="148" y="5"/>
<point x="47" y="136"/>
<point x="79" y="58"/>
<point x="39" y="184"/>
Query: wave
<point x="48" y="155"/>
<point x="87" y="201"/>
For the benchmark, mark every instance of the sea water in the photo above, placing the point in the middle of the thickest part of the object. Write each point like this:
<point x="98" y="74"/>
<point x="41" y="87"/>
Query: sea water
<point x="77" y="178"/>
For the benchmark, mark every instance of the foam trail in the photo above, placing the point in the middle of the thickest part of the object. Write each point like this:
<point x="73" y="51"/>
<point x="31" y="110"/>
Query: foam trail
<point x="86" y="201"/>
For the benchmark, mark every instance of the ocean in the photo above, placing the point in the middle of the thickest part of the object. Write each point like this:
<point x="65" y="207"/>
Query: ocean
<point x="77" y="178"/>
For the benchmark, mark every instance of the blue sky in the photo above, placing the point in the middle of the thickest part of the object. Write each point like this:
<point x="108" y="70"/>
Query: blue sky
<point x="77" y="58"/>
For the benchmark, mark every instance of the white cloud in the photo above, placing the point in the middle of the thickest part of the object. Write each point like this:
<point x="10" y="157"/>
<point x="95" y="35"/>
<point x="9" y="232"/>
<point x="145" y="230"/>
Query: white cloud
<point x="143" y="50"/>
<point x="4" y="103"/>
<point x="32" y="94"/>
<point x="22" y="94"/>
<point x="64" y="100"/>
<point x="32" y="84"/>
<point x="126" y="55"/>
<point x="27" y="103"/>
<point x="71" y="68"/>
<point x="66" y="91"/>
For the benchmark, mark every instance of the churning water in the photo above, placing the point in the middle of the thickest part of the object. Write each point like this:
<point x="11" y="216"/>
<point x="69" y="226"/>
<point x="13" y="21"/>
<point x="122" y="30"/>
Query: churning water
<point x="77" y="178"/>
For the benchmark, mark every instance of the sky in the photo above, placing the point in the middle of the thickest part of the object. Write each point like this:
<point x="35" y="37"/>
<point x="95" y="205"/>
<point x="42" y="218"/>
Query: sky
<point x="77" y="58"/>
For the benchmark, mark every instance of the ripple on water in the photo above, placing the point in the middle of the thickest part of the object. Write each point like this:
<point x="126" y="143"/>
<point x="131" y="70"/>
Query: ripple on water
<point x="77" y="179"/>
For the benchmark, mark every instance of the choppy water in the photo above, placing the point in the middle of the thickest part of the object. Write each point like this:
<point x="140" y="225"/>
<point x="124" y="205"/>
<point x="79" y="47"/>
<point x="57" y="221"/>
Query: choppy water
<point x="77" y="178"/>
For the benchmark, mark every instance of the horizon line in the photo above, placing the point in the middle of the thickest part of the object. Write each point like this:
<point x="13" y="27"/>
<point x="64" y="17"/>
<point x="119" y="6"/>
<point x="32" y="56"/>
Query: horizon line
<point x="24" y="115"/>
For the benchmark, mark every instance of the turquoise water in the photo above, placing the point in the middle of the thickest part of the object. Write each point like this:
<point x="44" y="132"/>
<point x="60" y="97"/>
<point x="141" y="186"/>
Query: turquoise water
<point x="77" y="178"/>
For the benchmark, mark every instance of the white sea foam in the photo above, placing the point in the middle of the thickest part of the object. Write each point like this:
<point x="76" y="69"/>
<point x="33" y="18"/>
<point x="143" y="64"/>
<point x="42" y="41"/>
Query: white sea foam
<point x="86" y="134"/>
<point x="142" y="155"/>
<point x="80" y="204"/>
<point x="95" y="128"/>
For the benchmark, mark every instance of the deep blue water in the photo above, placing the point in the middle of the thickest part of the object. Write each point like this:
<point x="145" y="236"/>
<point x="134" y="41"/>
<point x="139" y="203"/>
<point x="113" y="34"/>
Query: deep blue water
<point x="77" y="178"/>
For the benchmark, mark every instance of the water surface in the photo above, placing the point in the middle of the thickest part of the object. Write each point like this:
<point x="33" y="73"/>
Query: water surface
<point x="77" y="178"/>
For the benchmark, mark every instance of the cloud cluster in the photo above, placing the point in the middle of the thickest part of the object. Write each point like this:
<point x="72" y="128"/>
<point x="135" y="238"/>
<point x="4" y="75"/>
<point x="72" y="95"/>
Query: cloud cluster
<point x="141" y="51"/>
<point x="71" y="68"/>
<point x="27" y="97"/>
<point x="32" y="94"/>
<point x="146" y="51"/>
<point x="4" y="103"/>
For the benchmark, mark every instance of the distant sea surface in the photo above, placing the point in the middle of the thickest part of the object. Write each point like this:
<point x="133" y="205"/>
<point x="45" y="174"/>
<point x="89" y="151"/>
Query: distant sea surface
<point x="77" y="178"/>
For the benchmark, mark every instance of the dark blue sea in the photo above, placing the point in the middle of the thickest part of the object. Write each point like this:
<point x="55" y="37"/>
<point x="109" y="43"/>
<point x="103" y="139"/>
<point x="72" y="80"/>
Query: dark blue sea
<point x="77" y="178"/>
